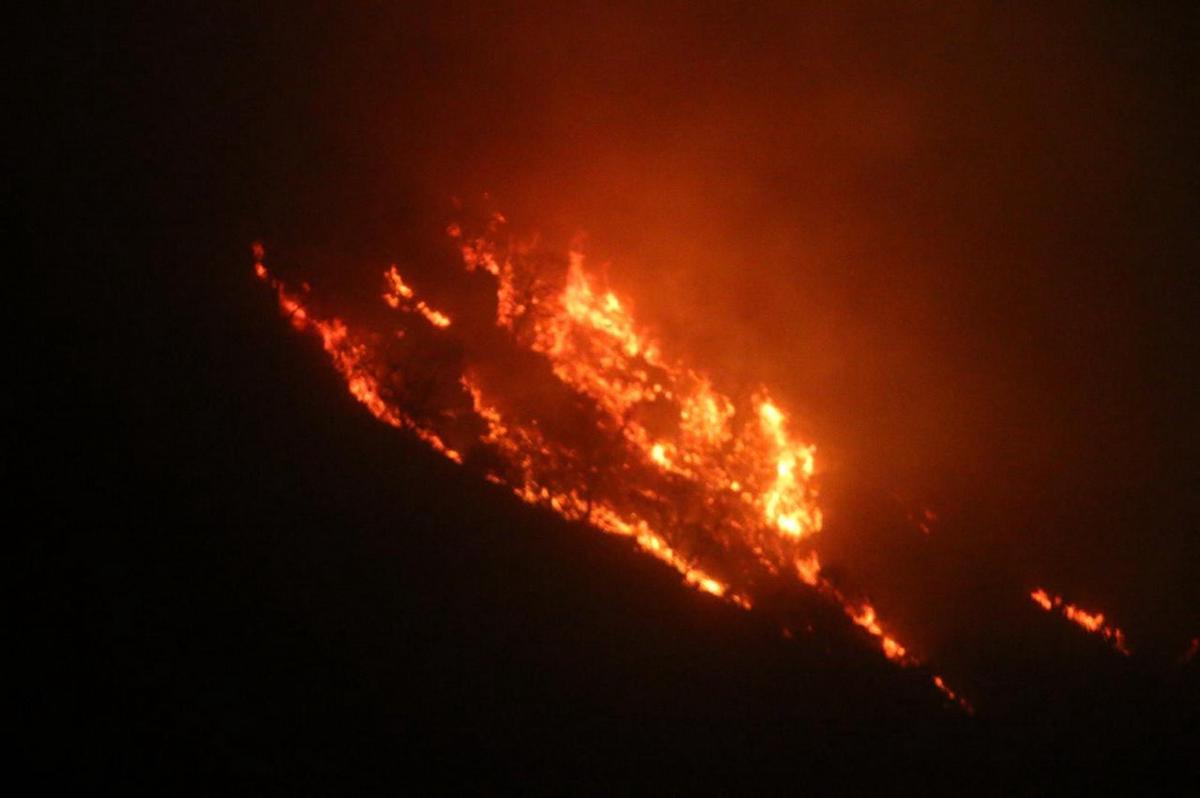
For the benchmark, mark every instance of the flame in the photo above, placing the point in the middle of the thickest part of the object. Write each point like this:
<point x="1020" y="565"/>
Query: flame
<point x="717" y="487"/>
<point x="1090" y="621"/>
<point x="865" y="617"/>
<point x="398" y="296"/>
<point x="352" y="356"/>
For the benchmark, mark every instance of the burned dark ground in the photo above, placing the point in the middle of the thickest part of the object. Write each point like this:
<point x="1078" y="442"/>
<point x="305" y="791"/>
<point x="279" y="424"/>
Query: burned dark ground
<point x="964" y="245"/>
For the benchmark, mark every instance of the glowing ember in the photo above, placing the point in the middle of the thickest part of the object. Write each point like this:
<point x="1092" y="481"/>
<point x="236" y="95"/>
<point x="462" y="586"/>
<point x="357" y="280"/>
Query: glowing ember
<point x="924" y="520"/>
<point x="607" y="430"/>
<point x="963" y="704"/>
<point x="1092" y="622"/>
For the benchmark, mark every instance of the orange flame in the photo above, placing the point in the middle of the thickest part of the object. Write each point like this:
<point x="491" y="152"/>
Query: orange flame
<point x="865" y="617"/>
<point x="715" y="487"/>
<point x="351" y="355"/>
<point x="1091" y="622"/>
<point x="398" y="296"/>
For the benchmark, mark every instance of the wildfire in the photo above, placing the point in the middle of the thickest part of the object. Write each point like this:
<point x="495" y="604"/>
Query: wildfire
<point x="607" y="431"/>
<point x="1091" y="621"/>
<point x="398" y="294"/>
<point x="352" y="354"/>
<point x="865" y="617"/>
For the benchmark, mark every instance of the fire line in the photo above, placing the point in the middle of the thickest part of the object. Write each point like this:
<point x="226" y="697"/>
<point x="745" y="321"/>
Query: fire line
<point x="607" y="429"/>
<point x="1092" y="622"/>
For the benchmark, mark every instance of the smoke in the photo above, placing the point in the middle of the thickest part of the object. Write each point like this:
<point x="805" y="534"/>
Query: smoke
<point x="951" y="240"/>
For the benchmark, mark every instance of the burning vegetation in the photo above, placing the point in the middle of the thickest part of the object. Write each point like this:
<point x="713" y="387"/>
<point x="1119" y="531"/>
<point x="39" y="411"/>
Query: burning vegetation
<point x="1092" y="622"/>
<point x="560" y="396"/>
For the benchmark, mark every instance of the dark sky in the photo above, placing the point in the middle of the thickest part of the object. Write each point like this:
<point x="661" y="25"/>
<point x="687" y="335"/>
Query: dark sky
<point x="961" y="243"/>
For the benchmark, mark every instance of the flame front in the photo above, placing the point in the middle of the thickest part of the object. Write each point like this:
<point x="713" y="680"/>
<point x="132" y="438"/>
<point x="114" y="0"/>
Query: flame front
<point x="1090" y="621"/>
<point x="575" y="408"/>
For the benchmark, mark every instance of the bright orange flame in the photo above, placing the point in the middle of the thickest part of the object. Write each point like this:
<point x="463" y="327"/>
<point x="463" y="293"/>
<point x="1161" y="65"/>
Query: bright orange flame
<point x="398" y="296"/>
<point x="351" y="355"/>
<point x="715" y="487"/>
<point x="865" y="617"/>
<point x="1092" y="622"/>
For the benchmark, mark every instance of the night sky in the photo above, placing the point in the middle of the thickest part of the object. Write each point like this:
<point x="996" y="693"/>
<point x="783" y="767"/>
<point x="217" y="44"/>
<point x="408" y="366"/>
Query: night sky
<point x="961" y="244"/>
